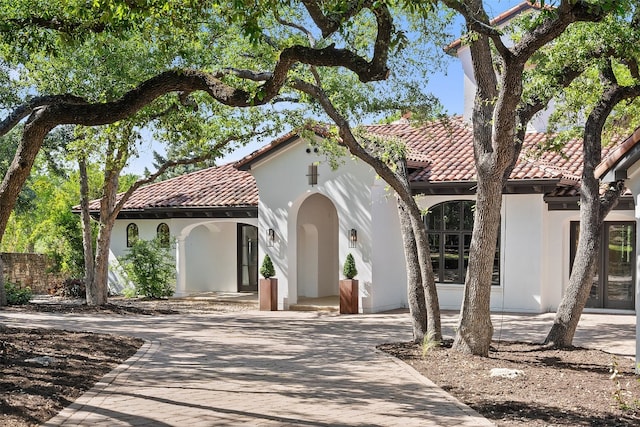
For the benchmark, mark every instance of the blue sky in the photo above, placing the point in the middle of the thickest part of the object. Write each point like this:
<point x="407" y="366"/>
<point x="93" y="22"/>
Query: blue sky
<point x="446" y="85"/>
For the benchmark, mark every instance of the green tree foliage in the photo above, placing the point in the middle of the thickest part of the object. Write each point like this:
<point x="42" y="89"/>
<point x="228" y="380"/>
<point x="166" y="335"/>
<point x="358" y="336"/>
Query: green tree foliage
<point x="594" y="69"/>
<point x="151" y="267"/>
<point x="190" y="65"/>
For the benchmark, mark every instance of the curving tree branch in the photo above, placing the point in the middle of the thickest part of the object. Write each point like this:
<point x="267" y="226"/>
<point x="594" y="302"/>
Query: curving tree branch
<point x="45" y="113"/>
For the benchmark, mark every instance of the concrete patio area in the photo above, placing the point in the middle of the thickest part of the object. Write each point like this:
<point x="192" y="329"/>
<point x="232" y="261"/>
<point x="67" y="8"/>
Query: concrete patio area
<point x="283" y="368"/>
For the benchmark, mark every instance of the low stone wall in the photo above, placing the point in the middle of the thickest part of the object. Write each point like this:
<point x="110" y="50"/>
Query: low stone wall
<point x="30" y="270"/>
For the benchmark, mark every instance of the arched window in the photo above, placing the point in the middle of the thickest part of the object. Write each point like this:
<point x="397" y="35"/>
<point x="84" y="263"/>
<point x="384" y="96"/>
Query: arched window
<point x="449" y="225"/>
<point x="132" y="234"/>
<point x="163" y="235"/>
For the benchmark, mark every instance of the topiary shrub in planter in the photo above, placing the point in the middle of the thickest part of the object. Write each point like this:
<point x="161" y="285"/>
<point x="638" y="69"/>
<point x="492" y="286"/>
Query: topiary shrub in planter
<point x="268" y="290"/>
<point x="349" y="290"/>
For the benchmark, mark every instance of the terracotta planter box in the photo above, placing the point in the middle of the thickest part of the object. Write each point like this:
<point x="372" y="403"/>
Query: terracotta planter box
<point x="349" y="296"/>
<point x="268" y="294"/>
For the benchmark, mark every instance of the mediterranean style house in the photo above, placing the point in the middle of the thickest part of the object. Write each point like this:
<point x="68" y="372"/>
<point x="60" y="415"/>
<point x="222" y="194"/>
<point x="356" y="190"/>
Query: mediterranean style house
<point x="285" y="200"/>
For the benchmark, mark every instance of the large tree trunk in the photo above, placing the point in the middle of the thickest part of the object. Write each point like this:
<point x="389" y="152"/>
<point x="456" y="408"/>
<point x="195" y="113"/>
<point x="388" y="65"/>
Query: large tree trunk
<point x="434" y="329"/>
<point x="580" y="281"/>
<point x="495" y="145"/>
<point x="17" y="174"/>
<point x="422" y="294"/>
<point x="87" y="238"/>
<point x="97" y="290"/>
<point x="415" y="290"/>
<point x="593" y="210"/>
<point x="474" y="328"/>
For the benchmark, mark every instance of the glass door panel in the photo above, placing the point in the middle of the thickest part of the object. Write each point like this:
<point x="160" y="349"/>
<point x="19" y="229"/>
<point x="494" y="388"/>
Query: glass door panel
<point x="452" y="260"/>
<point x="434" y="249"/>
<point x="595" y="294"/>
<point x="619" y="287"/>
<point x="247" y="258"/>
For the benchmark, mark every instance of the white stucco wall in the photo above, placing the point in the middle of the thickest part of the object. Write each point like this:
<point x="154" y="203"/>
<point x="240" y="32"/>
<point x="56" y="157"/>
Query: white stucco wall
<point x="147" y="230"/>
<point x="211" y="253"/>
<point x="389" y="287"/>
<point x="523" y="257"/>
<point x="210" y="249"/>
<point x="283" y="188"/>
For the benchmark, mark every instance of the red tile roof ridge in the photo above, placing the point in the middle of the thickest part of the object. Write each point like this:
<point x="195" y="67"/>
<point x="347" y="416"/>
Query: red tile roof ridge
<point x="458" y="120"/>
<point x="188" y="174"/>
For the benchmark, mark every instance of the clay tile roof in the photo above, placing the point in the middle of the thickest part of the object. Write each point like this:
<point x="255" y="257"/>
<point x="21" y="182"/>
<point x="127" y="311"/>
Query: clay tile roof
<point x="218" y="186"/>
<point x="439" y="152"/>
<point x="446" y="150"/>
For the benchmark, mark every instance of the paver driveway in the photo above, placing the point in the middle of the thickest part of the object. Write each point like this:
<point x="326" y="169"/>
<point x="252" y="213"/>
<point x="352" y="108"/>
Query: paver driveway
<point x="259" y="369"/>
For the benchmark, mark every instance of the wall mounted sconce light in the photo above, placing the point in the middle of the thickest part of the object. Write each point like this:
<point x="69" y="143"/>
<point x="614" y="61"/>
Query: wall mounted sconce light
<point x="271" y="237"/>
<point x="353" y="237"/>
<point x="313" y="174"/>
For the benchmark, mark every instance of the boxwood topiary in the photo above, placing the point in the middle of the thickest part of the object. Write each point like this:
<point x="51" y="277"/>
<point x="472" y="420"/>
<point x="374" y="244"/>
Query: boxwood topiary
<point x="349" y="269"/>
<point x="267" y="269"/>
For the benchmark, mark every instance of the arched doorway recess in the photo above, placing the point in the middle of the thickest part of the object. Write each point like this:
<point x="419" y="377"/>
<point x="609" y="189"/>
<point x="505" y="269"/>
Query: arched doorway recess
<point x="317" y="248"/>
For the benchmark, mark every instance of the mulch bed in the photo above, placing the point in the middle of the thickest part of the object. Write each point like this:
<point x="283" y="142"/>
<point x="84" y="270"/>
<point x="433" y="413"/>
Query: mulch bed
<point x="557" y="387"/>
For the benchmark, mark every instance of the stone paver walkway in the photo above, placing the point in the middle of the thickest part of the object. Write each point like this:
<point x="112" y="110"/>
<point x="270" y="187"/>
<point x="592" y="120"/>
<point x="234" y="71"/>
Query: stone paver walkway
<point x="283" y="369"/>
<point x="257" y="369"/>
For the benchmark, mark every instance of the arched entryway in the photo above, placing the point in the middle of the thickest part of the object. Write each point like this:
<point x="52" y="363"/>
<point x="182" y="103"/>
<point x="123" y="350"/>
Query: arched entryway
<point x="317" y="248"/>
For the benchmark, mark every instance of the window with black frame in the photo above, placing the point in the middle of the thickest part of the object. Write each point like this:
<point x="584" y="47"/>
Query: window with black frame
<point x="164" y="235"/>
<point x="450" y="225"/>
<point x="132" y="234"/>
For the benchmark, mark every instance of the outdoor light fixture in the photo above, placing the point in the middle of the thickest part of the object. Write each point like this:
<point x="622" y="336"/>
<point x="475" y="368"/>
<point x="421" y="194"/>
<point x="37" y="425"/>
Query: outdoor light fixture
<point x="271" y="237"/>
<point x="313" y="174"/>
<point x="353" y="237"/>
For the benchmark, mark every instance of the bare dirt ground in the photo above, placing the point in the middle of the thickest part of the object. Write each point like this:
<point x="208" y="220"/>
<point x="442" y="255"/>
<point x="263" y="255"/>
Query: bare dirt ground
<point x="42" y="371"/>
<point x="555" y="388"/>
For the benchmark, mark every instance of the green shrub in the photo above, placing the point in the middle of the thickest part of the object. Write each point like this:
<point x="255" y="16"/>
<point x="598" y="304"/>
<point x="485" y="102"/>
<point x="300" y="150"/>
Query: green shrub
<point x="129" y="292"/>
<point x="267" y="269"/>
<point x="151" y="268"/>
<point x="349" y="269"/>
<point x="16" y="295"/>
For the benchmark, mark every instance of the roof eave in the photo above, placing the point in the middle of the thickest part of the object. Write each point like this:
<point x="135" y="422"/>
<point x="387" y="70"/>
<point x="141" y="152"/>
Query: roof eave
<point x="168" y="212"/>
<point x="266" y="151"/>
<point x="513" y="186"/>
<point x="617" y="166"/>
